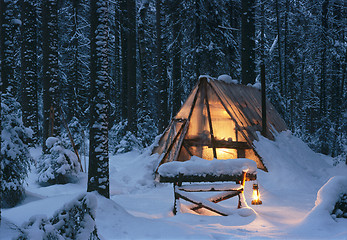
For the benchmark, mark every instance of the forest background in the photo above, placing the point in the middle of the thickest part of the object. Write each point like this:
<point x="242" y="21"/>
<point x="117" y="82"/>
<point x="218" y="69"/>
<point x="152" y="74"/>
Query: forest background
<point x="155" y="52"/>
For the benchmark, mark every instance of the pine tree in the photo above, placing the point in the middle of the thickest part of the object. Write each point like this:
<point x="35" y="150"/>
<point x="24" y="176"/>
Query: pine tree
<point x="51" y="93"/>
<point x="29" y="100"/>
<point x="98" y="173"/>
<point x="74" y="58"/>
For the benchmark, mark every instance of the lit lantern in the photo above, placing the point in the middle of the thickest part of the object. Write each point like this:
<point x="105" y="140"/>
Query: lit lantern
<point x="256" y="196"/>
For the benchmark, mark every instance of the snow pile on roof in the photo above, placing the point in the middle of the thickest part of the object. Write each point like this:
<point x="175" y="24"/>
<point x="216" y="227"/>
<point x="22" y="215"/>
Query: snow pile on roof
<point x="226" y="78"/>
<point x="199" y="167"/>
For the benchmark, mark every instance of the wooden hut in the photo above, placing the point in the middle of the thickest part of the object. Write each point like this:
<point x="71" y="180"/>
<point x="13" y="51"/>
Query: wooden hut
<point x="219" y="120"/>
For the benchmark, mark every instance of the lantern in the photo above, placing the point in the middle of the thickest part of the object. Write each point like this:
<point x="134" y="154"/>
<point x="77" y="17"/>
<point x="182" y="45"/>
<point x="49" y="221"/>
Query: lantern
<point x="256" y="196"/>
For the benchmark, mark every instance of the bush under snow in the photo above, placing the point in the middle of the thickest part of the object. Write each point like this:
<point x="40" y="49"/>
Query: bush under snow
<point x="15" y="155"/>
<point x="75" y="220"/>
<point x="60" y="165"/>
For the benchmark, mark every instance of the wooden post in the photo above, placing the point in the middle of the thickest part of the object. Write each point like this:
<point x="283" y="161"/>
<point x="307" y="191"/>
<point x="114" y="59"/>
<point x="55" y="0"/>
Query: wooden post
<point x="174" y="210"/>
<point x="243" y="187"/>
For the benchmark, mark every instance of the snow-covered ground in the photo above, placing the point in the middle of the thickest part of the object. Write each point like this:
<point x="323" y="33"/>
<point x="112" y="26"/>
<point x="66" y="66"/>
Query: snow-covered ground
<point x="139" y="208"/>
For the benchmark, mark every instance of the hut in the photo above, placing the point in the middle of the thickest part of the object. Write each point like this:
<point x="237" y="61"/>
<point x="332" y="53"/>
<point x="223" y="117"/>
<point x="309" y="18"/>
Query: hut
<point x="219" y="120"/>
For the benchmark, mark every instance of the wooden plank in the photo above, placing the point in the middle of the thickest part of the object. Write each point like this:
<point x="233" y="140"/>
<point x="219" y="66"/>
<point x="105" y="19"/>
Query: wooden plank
<point x="211" y="187"/>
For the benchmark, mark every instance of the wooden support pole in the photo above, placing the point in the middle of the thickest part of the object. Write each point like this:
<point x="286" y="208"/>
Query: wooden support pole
<point x="244" y="173"/>
<point x="209" y="120"/>
<point x="174" y="210"/>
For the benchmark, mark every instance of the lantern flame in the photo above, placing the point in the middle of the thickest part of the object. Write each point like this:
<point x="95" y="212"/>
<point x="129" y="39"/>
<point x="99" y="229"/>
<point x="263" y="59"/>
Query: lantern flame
<point x="256" y="196"/>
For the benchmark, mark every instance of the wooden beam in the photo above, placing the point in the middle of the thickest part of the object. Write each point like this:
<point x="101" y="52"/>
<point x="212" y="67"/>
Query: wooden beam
<point x="218" y="198"/>
<point x="209" y="120"/>
<point x="202" y="203"/>
<point x="217" y="143"/>
<point x="170" y="147"/>
<point x="180" y="141"/>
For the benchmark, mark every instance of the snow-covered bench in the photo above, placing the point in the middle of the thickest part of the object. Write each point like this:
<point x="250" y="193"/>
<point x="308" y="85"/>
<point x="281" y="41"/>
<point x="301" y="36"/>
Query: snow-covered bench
<point x="198" y="170"/>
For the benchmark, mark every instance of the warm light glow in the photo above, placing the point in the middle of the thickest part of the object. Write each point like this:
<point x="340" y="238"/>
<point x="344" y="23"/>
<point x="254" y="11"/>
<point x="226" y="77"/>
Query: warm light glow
<point x="226" y="153"/>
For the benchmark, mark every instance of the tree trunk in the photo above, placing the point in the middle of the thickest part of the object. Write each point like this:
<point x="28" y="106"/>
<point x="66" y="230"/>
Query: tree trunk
<point x="124" y="49"/>
<point x="323" y="99"/>
<point x="279" y="45"/>
<point x="286" y="29"/>
<point x="98" y="172"/>
<point x="197" y="40"/>
<point x="248" y="42"/>
<point x="51" y="94"/>
<point x="176" y="58"/>
<point x="234" y="21"/>
<point x="131" y="62"/>
<point x="29" y="67"/>
<point x="161" y="70"/>
<point x="144" y="63"/>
